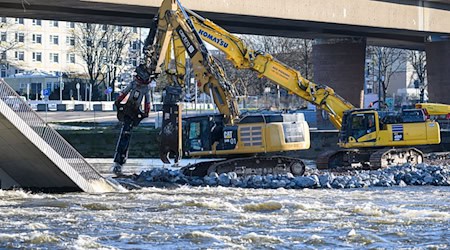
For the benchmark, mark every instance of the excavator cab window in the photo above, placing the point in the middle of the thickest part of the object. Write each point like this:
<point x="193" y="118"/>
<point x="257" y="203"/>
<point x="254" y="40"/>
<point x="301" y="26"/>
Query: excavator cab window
<point x="199" y="134"/>
<point x="362" y="124"/>
<point x="413" y="115"/>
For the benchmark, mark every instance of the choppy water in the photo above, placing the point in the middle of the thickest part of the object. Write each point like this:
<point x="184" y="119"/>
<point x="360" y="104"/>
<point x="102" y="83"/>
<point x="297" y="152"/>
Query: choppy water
<point x="217" y="218"/>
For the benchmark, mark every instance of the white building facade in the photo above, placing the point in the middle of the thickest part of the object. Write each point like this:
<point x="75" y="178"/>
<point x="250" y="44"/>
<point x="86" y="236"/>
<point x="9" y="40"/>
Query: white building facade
<point x="32" y="45"/>
<point x="38" y="45"/>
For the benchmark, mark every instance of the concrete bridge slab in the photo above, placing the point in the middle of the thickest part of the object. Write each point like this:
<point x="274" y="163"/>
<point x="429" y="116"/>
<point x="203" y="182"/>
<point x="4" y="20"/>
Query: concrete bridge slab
<point x="35" y="157"/>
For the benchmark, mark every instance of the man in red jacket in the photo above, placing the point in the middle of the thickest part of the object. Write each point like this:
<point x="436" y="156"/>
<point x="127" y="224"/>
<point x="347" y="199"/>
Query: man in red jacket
<point x="130" y="113"/>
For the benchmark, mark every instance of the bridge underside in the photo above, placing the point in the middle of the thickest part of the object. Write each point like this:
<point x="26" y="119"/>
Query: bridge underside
<point x="140" y="16"/>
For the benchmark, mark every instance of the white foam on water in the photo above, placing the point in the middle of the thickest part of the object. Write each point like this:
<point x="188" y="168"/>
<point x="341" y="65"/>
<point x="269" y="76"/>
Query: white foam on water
<point x="21" y="194"/>
<point x="268" y="206"/>
<point x="368" y="210"/>
<point x="86" y="242"/>
<point x="33" y="237"/>
<point x="196" y="235"/>
<point x="40" y="237"/>
<point x="10" y="237"/>
<point x="36" y="225"/>
<point x="422" y="214"/>
<point x="315" y="239"/>
<point x="352" y="233"/>
<point x="214" y="204"/>
<point x="260" y="238"/>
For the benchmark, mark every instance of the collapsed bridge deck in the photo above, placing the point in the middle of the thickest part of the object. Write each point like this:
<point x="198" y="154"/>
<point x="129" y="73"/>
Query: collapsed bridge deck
<point x="34" y="156"/>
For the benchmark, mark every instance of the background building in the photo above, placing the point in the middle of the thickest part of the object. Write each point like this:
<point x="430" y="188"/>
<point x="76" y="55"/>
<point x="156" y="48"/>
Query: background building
<point x="34" y="47"/>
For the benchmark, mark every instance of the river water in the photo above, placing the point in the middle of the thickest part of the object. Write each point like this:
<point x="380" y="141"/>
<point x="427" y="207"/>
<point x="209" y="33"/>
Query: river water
<point x="218" y="217"/>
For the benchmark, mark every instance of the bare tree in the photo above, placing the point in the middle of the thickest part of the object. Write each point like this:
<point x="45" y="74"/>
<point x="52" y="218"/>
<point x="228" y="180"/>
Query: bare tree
<point x="8" y="42"/>
<point x="102" y="49"/>
<point x="386" y="61"/>
<point x="419" y="63"/>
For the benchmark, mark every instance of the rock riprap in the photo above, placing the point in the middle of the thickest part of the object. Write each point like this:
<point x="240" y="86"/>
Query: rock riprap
<point x="404" y="175"/>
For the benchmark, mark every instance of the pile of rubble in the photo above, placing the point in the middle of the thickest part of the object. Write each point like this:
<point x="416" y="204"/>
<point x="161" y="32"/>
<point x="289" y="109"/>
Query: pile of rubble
<point x="421" y="174"/>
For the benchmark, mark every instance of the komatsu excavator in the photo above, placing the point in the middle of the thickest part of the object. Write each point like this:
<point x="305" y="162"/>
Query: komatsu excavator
<point x="237" y="139"/>
<point x="369" y="138"/>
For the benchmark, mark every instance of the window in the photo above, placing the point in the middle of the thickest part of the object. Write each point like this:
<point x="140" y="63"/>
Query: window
<point x="54" y="24"/>
<point x="37" y="38"/>
<point x="135" y="45"/>
<point x="54" y="57"/>
<point x="71" y="58"/>
<point x="2" y="19"/>
<point x="135" y="30"/>
<point x="70" y="25"/>
<point x="134" y="62"/>
<point x="19" y="20"/>
<point x="37" y="22"/>
<point x="37" y="56"/>
<point x="3" y="55"/>
<point x="70" y="40"/>
<point x="54" y="39"/>
<point x="104" y="44"/>
<point x="48" y="85"/>
<point x="3" y="72"/>
<point x="3" y="36"/>
<point x="20" y="55"/>
<point x="20" y="37"/>
<point x="18" y="71"/>
<point x="88" y="42"/>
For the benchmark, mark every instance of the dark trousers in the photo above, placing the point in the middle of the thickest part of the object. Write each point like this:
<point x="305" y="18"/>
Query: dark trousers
<point x="121" y="154"/>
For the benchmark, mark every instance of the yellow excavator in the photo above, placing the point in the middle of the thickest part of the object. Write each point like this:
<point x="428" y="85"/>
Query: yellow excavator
<point x="239" y="140"/>
<point x="434" y="109"/>
<point x="369" y="138"/>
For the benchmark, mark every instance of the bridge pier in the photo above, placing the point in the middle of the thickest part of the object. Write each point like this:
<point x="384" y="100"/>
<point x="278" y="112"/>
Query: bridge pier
<point x="438" y="70"/>
<point x="339" y="64"/>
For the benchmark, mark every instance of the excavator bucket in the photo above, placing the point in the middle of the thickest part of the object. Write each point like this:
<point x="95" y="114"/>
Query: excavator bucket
<point x="171" y="133"/>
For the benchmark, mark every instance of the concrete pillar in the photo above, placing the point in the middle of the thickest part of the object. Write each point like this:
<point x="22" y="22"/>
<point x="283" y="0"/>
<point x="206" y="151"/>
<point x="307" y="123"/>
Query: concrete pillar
<point x="339" y="64"/>
<point x="438" y="71"/>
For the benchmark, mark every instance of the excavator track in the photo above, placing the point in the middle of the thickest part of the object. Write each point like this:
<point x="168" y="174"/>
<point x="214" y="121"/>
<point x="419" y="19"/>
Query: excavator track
<point x="257" y="165"/>
<point x="368" y="159"/>
<point x="345" y="159"/>
<point x="387" y="157"/>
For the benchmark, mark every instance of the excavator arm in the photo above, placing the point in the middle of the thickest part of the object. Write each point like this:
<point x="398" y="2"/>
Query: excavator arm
<point x="173" y="29"/>
<point x="243" y="57"/>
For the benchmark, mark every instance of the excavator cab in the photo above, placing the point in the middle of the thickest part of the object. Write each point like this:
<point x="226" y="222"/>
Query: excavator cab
<point x="359" y="126"/>
<point x="207" y="133"/>
<point x="197" y="133"/>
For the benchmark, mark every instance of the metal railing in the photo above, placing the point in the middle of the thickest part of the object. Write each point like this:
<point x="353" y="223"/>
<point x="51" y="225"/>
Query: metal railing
<point x="48" y="134"/>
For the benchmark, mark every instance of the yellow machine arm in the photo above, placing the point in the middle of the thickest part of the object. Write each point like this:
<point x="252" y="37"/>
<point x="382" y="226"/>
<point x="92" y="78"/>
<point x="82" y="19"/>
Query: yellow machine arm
<point x="265" y="65"/>
<point x="434" y="108"/>
<point x="178" y="73"/>
<point x="174" y="29"/>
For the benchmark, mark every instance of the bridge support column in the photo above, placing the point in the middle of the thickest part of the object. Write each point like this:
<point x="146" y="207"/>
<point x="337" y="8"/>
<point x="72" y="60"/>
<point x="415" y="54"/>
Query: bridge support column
<point x="438" y="70"/>
<point x="339" y="64"/>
